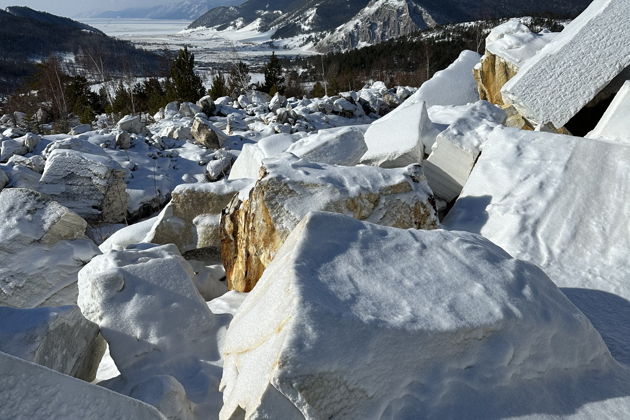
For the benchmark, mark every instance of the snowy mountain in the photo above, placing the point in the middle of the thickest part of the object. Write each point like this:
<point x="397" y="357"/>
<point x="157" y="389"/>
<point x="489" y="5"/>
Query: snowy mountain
<point x="347" y="24"/>
<point x="186" y="9"/>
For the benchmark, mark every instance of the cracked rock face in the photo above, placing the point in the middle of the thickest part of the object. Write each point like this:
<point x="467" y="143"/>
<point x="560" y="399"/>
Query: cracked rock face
<point x="254" y="227"/>
<point x="491" y="74"/>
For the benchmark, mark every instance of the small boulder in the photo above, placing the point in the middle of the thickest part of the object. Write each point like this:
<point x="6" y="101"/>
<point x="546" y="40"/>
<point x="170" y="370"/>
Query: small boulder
<point x="335" y="146"/>
<point x="80" y="129"/>
<point x="31" y="391"/>
<point x="132" y="124"/>
<point x="188" y="109"/>
<point x="175" y="225"/>
<point x="206" y="134"/>
<point x="58" y="338"/>
<point x="91" y="185"/>
<point x="207" y="105"/>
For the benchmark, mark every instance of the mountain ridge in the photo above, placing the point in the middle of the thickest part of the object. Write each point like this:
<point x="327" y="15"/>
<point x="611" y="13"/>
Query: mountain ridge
<point x="346" y="24"/>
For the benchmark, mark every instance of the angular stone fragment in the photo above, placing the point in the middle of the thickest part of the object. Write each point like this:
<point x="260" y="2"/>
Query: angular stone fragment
<point x="206" y="134"/>
<point x="91" y="185"/>
<point x="457" y="148"/>
<point x="400" y="138"/>
<point x="189" y="201"/>
<point x="254" y="229"/>
<point x="58" y="338"/>
<point x="30" y="391"/>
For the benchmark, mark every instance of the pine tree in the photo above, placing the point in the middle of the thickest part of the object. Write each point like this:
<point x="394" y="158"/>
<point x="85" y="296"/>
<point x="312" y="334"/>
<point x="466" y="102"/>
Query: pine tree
<point x="185" y="85"/>
<point x="318" y="91"/>
<point x="219" y="87"/>
<point x="274" y="79"/>
<point x="238" y="81"/>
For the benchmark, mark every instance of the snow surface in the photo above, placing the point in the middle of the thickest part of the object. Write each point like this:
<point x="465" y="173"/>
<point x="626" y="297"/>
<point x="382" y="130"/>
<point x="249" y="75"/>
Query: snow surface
<point x="514" y="42"/>
<point x="355" y="320"/>
<point x="296" y="186"/>
<point x="568" y="72"/>
<point x="615" y="123"/>
<point x="400" y="138"/>
<point x="130" y="235"/>
<point x="562" y="203"/>
<point x="454" y="85"/>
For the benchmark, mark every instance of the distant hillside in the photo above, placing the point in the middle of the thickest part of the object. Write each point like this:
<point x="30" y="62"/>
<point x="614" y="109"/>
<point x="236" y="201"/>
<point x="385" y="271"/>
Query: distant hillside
<point x="340" y="25"/>
<point x="29" y="36"/>
<point x="187" y="9"/>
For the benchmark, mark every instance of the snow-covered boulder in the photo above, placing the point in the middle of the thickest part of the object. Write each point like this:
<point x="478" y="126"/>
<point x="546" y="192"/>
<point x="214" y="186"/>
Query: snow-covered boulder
<point x="130" y="235"/>
<point x="80" y="129"/>
<point x="400" y="138"/>
<point x="175" y="224"/>
<point x="42" y="247"/>
<point x="91" y="185"/>
<point x="160" y="332"/>
<point x="123" y="140"/>
<point x="11" y="147"/>
<point x="536" y="195"/>
<point x="508" y="47"/>
<point x="219" y="168"/>
<point x="334" y="146"/>
<point x="457" y="148"/>
<point x="30" y="391"/>
<point x="572" y="69"/>
<point x="454" y="85"/>
<point x="58" y="338"/>
<point x="29" y="216"/>
<point x="356" y="320"/>
<point x="248" y="163"/>
<point x="188" y="109"/>
<point x="615" y="123"/>
<point x="278" y="101"/>
<point x="542" y="198"/>
<point x="207" y="105"/>
<point x="255" y="227"/>
<point x="30" y="141"/>
<point x="206" y="134"/>
<point x="132" y="124"/>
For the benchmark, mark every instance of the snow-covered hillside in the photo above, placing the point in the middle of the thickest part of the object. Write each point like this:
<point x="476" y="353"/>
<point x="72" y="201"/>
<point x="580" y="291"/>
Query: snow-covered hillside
<point x="346" y="24"/>
<point x="386" y="253"/>
<point x="183" y="9"/>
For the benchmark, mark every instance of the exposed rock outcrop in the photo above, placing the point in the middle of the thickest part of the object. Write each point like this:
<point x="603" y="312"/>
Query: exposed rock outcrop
<point x="253" y="229"/>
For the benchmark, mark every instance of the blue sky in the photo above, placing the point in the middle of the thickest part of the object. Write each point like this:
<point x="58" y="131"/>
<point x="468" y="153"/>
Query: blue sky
<point x="75" y="7"/>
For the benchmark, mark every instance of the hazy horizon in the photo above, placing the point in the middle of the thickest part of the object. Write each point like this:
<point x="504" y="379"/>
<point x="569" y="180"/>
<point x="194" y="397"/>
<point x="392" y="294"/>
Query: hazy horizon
<point x="74" y="8"/>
